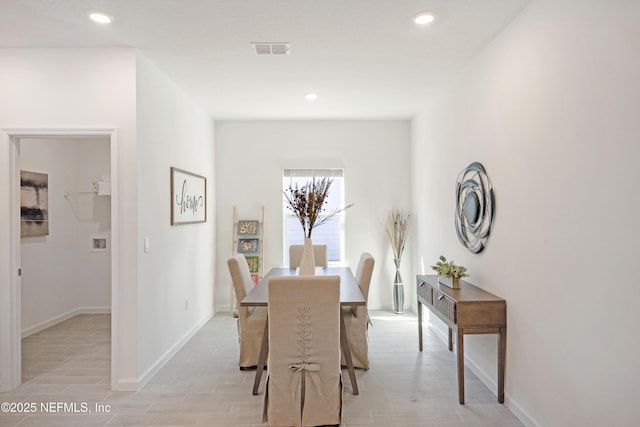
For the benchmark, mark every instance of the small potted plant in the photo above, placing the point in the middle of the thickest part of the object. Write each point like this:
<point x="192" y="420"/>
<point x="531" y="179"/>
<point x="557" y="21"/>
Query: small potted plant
<point x="449" y="274"/>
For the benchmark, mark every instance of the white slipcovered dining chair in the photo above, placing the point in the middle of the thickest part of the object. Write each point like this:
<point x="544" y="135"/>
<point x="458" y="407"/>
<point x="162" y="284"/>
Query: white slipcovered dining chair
<point x="304" y="380"/>
<point x="356" y="318"/>
<point x="319" y="255"/>
<point x="251" y="320"/>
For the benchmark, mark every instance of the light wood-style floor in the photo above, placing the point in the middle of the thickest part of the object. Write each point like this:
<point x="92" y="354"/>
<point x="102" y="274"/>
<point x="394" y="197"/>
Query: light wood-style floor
<point x="202" y="385"/>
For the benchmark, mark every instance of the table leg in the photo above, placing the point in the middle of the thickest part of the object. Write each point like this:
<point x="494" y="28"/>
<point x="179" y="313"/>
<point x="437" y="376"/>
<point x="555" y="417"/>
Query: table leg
<point x="420" y="325"/>
<point x="450" y="340"/>
<point x="502" y="359"/>
<point x="346" y="351"/>
<point x="262" y="358"/>
<point x="460" y="343"/>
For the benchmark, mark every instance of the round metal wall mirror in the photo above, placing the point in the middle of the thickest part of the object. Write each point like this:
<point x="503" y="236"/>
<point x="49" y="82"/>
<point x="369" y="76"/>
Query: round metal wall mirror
<point x="474" y="207"/>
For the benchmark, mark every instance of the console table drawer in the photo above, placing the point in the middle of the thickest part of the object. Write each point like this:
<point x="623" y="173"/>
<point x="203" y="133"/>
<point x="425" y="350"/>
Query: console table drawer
<point x="445" y="305"/>
<point x="425" y="292"/>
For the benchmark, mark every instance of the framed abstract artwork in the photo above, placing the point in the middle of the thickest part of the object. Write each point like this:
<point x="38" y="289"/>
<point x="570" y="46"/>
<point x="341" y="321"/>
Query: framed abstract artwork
<point x="247" y="228"/>
<point x="34" y="204"/>
<point x="188" y="197"/>
<point x="254" y="263"/>
<point x="247" y="246"/>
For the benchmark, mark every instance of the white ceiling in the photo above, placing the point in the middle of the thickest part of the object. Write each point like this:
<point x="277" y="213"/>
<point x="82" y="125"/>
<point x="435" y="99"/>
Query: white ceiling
<point x="365" y="59"/>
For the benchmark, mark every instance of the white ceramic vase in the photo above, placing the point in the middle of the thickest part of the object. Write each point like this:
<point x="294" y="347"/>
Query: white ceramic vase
<point x="307" y="263"/>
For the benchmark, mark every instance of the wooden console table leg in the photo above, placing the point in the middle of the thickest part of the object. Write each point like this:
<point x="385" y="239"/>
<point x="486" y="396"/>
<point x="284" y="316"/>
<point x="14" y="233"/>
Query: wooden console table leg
<point x="262" y="358"/>
<point x="450" y="340"/>
<point x="502" y="359"/>
<point x="420" y="325"/>
<point x="460" y="365"/>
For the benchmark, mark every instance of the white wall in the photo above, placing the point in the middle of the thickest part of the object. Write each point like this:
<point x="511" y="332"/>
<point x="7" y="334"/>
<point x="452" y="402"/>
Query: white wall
<point x="72" y="89"/>
<point x="61" y="276"/>
<point x="158" y="127"/>
<point x="551" y="109"/>
<point x="172" y="131"/>
<point x="250" y="156"/>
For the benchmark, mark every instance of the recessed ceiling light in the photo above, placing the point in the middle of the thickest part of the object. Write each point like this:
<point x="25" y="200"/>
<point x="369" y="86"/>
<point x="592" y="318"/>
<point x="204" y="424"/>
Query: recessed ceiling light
<point x="311" y="96"/>
<point x="100" y="18"/>
<point x="424" y="18"/>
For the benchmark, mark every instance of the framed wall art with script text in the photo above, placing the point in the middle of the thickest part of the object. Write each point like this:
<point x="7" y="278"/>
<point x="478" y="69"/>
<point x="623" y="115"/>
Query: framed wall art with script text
<point x="188" y="197"/>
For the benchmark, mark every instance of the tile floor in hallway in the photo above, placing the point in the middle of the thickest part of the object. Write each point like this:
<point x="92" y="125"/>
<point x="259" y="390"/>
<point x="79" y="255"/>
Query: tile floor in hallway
<point x="202" y="385"/>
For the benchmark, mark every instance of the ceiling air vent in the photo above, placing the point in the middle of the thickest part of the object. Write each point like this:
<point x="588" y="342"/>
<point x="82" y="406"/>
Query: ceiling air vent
<point x="264" y="48"/>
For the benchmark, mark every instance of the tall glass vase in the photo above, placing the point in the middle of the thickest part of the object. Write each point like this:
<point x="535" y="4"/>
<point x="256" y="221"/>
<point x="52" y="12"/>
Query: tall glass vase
<point x="308" y="262"/>
<point x="398" y="290"/>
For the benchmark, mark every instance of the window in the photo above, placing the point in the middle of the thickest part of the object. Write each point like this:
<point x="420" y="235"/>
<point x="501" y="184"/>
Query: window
<point x="330" y="233"/>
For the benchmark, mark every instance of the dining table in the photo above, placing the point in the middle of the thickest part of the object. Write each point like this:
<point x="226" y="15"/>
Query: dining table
<point x="350" y="295"/>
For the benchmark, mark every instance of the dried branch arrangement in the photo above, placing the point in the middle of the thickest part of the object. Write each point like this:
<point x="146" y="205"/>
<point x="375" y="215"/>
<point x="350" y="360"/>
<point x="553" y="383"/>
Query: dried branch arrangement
<point x="308" y="202"/>
<point x="397" y="229"/>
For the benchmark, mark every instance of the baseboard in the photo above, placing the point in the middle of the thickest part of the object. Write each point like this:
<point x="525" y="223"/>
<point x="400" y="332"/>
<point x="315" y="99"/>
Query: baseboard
<point x="149" y="373"/>
<point x="222" y="308"/>
<point x="126" y="385"/>
<point x="62" y="317"/>
<point x="94" y="310"/>
<point x="519" y="412"/>
<point x="513" y="406"/>
<point x="442" y="332"/>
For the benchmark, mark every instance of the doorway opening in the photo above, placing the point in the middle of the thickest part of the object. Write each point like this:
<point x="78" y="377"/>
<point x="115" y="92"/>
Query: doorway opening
<point x="65" y="227"/>
<point x="81" y="250"/>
